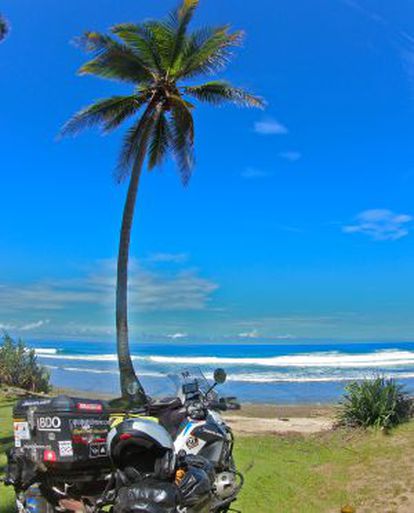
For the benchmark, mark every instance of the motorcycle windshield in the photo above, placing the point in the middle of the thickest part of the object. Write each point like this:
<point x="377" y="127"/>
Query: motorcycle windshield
<point x="193" y="377"/>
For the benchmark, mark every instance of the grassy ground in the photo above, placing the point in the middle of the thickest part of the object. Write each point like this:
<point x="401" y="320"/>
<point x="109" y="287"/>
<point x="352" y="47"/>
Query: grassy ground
<point x="6" y="495"/>
<point x="314" y="474"/>
<point x="321" y="473"/>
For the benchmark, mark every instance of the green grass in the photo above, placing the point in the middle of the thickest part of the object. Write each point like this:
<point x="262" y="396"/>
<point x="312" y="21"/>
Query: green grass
<point x="6" y="494"/>
<point x="316" y="474"/>
<point x="324" y="472"/>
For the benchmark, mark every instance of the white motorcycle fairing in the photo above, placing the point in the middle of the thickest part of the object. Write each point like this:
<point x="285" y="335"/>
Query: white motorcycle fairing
<point x="186" y="439"/>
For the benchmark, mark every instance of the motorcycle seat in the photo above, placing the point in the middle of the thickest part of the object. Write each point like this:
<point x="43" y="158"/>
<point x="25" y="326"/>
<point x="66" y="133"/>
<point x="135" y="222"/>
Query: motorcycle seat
<point x="164" y="403"/>
<point x="170" y="413"/>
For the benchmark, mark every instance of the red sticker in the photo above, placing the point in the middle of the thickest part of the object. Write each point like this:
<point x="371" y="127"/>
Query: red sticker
<point x="89" y="406"/>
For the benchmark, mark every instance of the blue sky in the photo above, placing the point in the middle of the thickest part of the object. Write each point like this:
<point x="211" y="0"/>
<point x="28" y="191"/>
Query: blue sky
<point x="298" y="221"/>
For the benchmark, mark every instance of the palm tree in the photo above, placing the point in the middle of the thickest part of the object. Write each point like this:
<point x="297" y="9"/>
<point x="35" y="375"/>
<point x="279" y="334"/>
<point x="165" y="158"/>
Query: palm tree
<point x="159" y="59"/>
<point x="4" y="28"/>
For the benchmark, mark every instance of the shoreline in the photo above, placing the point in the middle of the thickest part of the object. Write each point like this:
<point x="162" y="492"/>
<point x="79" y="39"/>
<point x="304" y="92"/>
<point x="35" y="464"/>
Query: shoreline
<point x="249" y="409"/>
<point x="251" y="419"/>
<point x="281" y="375"/>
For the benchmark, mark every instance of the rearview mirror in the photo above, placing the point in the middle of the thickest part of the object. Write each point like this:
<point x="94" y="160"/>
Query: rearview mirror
<point x="220" y="376"/>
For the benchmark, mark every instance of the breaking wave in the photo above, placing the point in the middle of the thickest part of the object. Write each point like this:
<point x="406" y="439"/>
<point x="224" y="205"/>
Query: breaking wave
<point x="374" y="360"/>
<point x="43" y="351"/>
<point x="268" y="377"/>
<point x="331" y="359"/>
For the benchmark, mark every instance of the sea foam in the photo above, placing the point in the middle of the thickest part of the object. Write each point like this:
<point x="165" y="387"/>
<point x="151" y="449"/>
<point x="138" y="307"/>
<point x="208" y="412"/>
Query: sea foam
<point x="373" y="360"/>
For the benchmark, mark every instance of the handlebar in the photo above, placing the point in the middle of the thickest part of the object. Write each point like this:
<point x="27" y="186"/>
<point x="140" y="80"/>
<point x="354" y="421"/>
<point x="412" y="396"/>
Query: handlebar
<point x="198" y="406"/>
<point x="218" y="405"/>
<point x="227" y="403"/>
<point x="198" y="401"/>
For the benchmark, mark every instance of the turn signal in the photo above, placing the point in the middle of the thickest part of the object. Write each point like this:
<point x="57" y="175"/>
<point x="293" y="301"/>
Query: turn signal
<point x="179" y="476"/>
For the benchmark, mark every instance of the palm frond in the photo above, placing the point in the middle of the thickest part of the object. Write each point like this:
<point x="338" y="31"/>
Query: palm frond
<point x="113" y="60"/>
<point x="182" y="139"/>
<point x="219" y="91"/>
<point x="208" y="51"/>
<point x="160" y="140"/>
<point x="148" y="40"/>
<point x="135" y="142"/>
<point x="156" y="56"/>
<point x="108" y="114"/>
<point x="164" y="35"/>
<point x="4" y="28"/>
<point x="179" y="22"/>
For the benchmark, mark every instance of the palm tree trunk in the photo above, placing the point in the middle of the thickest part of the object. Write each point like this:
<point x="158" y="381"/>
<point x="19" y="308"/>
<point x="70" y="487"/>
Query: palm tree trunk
<point x="131" y="387"/>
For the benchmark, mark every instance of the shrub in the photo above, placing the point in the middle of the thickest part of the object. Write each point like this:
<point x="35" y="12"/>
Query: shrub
<point x="19" y="367"/>
<point x="379" y="402"/>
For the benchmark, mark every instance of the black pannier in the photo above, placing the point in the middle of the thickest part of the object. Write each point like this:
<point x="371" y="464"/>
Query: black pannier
<point x="63" y="434"/>
<point x="148" y="496"/>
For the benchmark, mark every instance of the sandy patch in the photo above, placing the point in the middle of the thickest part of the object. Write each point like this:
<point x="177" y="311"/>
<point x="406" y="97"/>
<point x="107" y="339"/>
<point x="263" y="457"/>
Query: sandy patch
<point x="258" y="425"/>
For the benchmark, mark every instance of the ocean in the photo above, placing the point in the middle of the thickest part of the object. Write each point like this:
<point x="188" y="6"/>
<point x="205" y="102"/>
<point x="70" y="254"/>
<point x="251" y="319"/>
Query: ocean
<point x="282" y="373"/>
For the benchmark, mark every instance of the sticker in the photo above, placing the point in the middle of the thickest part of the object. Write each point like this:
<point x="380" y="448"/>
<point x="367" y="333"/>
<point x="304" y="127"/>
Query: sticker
<point x="90" y="406"/>
<point x="97" y="450"/>
<point x="65" y="449"/>
<point x="88" y="423"/>
<point x="21" y="431"/>
<point x="49" y="423"/>
<point x="35" y="402"/>
<point x="36" y="447"/>
<point x="89" y="427"/>
<point x="192" y="442"/>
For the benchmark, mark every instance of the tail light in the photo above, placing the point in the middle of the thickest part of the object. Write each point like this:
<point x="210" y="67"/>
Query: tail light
<point x="49" y="456"/>
<point x="125" y="436"/>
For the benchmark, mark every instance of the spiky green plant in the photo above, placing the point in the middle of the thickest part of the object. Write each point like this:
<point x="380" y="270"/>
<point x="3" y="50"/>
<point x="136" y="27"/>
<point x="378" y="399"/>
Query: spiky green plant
<point x="159" y="59"/>
<point x="378" y="403"/>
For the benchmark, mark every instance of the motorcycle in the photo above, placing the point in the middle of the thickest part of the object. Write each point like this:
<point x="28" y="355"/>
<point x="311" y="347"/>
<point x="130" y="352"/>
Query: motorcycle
<point x="174" y="455"/>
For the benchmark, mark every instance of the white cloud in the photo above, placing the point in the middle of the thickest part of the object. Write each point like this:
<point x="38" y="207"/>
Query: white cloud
<point x="177" y="336"/>
<point x="290" y="229"/>
<point x="24" y="327"/>
<point x="90" y="330"/>
<point x="408" y="37"/>
<point x="369" y="13"/>
<point x="252" y="172"/>
<point x="270" y="126"/>
<point x="7" y="326"/>
<point x="149" y="290"/>
<point x="168" y="258"/>
<point x="254" y="333"/>
<point x="400" y="39"/>
<point x="291" y="156"/>
<point x="380" y="224"/>
<point x="34" y="325"/>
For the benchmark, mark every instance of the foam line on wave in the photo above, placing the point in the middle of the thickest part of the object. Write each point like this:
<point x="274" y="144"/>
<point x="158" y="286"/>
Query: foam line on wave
<point x="378" y="359"/>
<point x="331" y="359"/>
<point x="253" y="378"/>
